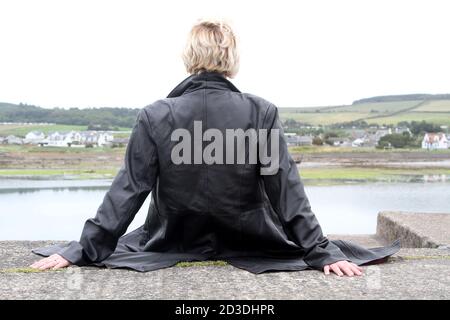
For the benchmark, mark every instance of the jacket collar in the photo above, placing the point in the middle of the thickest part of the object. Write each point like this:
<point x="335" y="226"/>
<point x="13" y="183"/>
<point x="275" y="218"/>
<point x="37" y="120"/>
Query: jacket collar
<point x="207" y="79"/>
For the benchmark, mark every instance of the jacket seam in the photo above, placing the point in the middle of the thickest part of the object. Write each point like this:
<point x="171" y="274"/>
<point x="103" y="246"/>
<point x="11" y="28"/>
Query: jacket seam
<point x="206" y="166"/>
<point x="267" y="112"/>
<point x="150" y="160"/>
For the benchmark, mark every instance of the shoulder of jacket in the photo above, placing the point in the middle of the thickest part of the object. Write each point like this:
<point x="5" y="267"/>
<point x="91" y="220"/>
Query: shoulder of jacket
<point x="159" y="108"/>
<point x="260" y="101"/>
<point x="267" y="108"/>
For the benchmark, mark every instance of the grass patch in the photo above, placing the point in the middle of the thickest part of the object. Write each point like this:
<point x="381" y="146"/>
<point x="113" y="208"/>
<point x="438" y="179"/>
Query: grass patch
<point x="436" y="118"/>
<point x="434" y="105"/>
<point x="369" y="174"/>
<point x="215" y="263"/>
<point x="317" y="174"/>
<point x="323" y="118"/>
<point x="337" y="150"/>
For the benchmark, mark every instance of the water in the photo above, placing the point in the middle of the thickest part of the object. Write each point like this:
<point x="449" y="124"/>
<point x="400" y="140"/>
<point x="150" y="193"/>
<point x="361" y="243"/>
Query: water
<point x="57" y="209"/>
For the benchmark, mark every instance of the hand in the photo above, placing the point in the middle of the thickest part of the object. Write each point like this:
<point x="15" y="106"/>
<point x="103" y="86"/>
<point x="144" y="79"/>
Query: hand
<point x="55" y="261"/>
<point x="343" y="267"/>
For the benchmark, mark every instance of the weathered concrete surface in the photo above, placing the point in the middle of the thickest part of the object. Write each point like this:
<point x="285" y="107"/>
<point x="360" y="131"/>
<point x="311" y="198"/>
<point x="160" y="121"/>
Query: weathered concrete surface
<point x="410" y="274"/>
<point x="413" y="273"/>
<point x="415" y="230"/>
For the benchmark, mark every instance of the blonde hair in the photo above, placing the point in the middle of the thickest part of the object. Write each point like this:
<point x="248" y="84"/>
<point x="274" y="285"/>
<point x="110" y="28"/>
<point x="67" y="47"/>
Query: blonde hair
<point x="211" y="46"/>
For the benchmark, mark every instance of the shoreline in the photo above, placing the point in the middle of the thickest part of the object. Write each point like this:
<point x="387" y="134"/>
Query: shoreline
<point x="310" y="176"/>
<point x="317" y="165"/>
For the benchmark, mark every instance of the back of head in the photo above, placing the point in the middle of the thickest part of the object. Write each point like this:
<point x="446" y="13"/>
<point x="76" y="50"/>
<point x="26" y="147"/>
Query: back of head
<point x="211" y="46"/>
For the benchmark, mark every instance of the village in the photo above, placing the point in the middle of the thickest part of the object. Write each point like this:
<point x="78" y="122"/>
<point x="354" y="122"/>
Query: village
<point x="366" y="137"/>
<point x="74" y="139"/>
<point x="369" y="138"/>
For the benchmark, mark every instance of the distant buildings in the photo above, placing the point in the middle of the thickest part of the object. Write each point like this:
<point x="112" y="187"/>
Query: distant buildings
<point x="339" y="141"/>
<point x="358" y="142"/>
<point x="402" y="130"/>
<point x="355" y="138"/>
<point x="292" y="139"/>
<point x="76" y="138"/>
<point x="433" y="141"/>
<point x="368" y="138"/>
<point x="11" y="139"/>
<point x="34" y="136"/>
<point x="305" y="140"/>
<point x="67" y="139"/>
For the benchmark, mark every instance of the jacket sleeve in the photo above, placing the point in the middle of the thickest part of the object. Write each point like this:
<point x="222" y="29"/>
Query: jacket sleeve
<point x="287" y="196"/>
<point x="122" y="201"/>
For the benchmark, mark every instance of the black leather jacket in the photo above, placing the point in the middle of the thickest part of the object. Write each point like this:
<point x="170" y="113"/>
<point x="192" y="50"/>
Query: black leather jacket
<point x="207" y="211"/>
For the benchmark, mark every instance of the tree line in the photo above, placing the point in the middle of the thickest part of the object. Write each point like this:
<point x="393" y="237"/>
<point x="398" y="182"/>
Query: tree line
<point x="93" y="117"/>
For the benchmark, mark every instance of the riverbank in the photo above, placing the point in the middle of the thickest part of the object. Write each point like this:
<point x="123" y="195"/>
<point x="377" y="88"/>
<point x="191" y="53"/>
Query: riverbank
<point x="317" y="165"/>
<point x="310" y="176"/>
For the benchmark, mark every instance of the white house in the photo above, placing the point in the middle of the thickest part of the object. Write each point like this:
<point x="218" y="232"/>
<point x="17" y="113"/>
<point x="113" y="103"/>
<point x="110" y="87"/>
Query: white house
<point x="433" y="140"/>
<point x="340" y="141"/>
<point x="59" y="139"/>
<point x="11" y="139"/>
<point x="89" y="137"/>
<point x="72" y="138"/>
<point x="358" y="142"/>
<point x="34" y="137"/>
<point x="401" y="130"/>
<point x="382" y="132"/>
<point x="104" y="138"/>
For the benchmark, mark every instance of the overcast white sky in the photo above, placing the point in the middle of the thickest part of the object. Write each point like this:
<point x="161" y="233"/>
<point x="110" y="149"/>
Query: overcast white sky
<point x="293" y="53"/>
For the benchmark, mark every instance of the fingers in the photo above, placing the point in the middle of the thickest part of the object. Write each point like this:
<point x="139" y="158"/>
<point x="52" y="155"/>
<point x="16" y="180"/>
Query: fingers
<point x="356" y="269"/>
<point x="39" y="263"/>
<point x="347" y="270"/>
<point x="326" y="269"/>
<point x="343" y="268"/>
<point x="48" y="264"/>
<point x="54" y="261"/>
<point x="335" y="268"/>
<point x="61" y="264"/>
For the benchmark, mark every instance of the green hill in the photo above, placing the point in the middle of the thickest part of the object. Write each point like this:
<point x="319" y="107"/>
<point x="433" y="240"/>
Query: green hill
<point x="377" y="110"/>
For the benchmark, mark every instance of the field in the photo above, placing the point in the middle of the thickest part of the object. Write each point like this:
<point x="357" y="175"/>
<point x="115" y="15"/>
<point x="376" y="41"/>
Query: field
<point x="435" y="106"/>
<point x="436" y="118"/>
<point x="326" y="149"/>
<point x="323" y="118"/>
<point x="60" y="162"/>
<point x="434" y="111"/>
